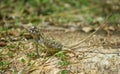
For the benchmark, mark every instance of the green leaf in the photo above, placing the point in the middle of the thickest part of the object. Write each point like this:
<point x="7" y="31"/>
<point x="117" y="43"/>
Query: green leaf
<point x="23" y="60"/>
<point x="64" y="72"/>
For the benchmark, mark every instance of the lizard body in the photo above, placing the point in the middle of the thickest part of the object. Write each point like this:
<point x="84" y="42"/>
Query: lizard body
<point x="51" y="46"/>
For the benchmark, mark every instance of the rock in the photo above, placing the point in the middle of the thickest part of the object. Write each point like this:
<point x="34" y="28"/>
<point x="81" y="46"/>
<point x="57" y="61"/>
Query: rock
<point x="87" y="29"/>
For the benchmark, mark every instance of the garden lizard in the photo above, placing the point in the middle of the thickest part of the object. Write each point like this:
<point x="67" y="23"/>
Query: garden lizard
<point x="51" y="46"/>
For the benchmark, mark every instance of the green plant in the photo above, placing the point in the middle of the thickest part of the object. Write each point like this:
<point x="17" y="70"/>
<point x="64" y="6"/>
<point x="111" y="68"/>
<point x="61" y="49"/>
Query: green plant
<point x="16" y="21"/>
<point x="13" y="71"/>
<point x="11" y="46"/>
<point x="63" y="61"/>
<point x="31" y="55"/>
<point x="64" y="72"/>
<point x="10" y="54"/>
<point x="3" y="29"/>
<point x="4" y="65"/>
<point x="114" y="18"/>
<point x="23" y="60"/>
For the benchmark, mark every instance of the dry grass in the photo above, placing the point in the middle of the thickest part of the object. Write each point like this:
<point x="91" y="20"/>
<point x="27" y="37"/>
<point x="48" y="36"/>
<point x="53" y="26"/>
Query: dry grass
<point x="103" y="58"/>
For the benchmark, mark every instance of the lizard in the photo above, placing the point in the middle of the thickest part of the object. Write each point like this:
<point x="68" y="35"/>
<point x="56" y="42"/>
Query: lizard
<point x="51" y="46"/>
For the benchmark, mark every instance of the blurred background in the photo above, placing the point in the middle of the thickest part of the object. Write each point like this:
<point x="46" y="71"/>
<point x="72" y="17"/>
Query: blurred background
<point x="61" y="13"/>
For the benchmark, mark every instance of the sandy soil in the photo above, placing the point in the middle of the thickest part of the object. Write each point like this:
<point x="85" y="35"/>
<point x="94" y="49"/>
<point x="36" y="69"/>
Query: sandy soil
<point x="104" y="57"/>
<point x="98" y="54"/>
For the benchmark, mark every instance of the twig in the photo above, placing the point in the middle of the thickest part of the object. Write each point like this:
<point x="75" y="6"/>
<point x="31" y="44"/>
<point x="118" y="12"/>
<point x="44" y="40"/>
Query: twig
<point x="78" y="43"/>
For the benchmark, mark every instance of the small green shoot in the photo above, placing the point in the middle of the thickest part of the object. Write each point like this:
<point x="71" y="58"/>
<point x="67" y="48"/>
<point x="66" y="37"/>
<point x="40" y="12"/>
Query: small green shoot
<point x="4" y="65"/>
<point x="31" y="55"/>
<point x="63" y="61"/>
<point x="61" y="55"/>
<point x="12" y="46"/>
<point x="64" y="72"/>
<point x="10" y="54"/>
<point x="16" y="21"/>
<point x="23" y="60"/>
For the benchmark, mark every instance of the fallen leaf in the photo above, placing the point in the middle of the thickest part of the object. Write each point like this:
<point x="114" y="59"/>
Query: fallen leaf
<point x="2" y="44"/>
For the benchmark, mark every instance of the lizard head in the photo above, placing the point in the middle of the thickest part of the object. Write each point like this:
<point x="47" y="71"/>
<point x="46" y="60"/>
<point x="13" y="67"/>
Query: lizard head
<point x="35" y="32"/>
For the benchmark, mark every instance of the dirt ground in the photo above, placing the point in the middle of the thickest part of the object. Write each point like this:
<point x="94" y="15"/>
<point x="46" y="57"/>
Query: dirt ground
<point x="104" y="57"/>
